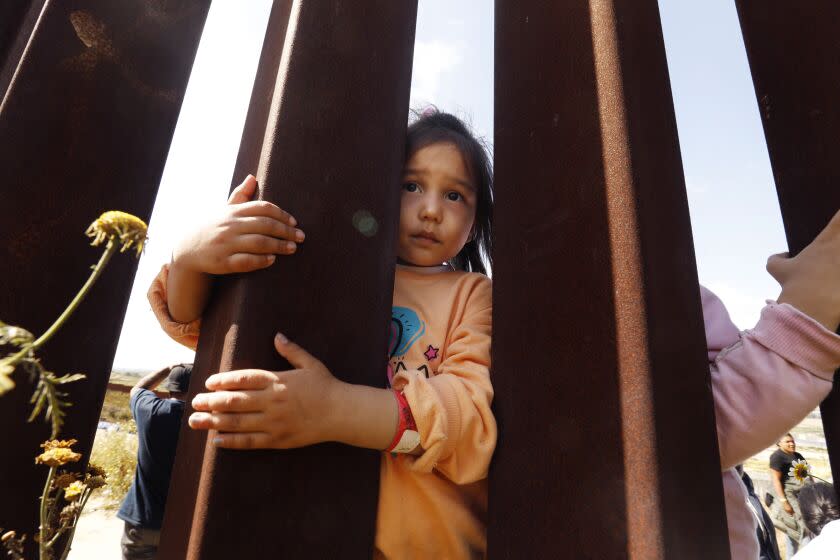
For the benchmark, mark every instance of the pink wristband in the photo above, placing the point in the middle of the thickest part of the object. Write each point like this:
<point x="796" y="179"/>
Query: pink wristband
<point x="407" y="438"/>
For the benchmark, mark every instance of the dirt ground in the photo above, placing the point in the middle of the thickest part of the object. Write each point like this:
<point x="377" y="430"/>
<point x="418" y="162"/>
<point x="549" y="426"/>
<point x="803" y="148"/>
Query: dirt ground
<point x="97" y="534"/>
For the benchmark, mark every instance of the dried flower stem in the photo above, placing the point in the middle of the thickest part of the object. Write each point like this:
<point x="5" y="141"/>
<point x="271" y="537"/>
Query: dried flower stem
<point x="42" y="542"/>
<point x="45" y="546"/>
<point x="118" y="229"/>
<point x="82" y="505"/>
<point x="57" y="534"/>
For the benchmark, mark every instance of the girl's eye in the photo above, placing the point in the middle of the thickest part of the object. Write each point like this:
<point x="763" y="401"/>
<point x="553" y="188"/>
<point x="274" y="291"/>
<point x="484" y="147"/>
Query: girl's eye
<point x="454" y="196"/>
<point x="411" y="187"/>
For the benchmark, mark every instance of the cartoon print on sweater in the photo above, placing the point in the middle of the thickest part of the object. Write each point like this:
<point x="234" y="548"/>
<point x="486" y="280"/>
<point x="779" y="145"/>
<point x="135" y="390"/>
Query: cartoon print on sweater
<point x="406" y="328"/>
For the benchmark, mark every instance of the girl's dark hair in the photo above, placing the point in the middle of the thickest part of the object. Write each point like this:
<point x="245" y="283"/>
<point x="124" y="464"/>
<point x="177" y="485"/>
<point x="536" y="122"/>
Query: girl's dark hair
<point x="818" y="503"/>
<point x="431" y="126"/>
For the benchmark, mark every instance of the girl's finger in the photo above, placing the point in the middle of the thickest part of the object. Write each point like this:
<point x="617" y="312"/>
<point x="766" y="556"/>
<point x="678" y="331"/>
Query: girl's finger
<point x="227" y="422"/>
<point x="264" y="208"/>
<point x="777" y="266"/>
<point x="244" y="191"/>
<point x="294" y="354"/>
<point x="247" y="262"/>
<point x="269" y="226"/>
<point x="230" y="401"/>
<point x="253" y="440"/>
<point x="240" y="380"/>
<point x="255" y="243"/>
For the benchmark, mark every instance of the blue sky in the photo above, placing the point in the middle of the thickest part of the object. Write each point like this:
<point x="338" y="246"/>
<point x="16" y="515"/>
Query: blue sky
<point x="734" y="211"/>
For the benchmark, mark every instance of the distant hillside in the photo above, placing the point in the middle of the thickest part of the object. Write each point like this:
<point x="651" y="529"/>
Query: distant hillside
<point x="127" y="376"/>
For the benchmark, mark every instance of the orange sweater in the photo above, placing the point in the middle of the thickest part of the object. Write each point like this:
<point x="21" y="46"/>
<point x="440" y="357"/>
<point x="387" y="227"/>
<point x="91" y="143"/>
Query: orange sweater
<point x="433" y="505"/>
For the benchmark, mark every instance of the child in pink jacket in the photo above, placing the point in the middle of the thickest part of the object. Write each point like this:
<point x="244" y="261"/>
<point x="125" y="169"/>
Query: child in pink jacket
<point x="765" y="380"/>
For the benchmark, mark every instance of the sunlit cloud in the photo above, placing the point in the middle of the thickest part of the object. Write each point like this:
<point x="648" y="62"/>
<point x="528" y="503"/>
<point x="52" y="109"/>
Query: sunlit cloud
<point x="433" y="59"/>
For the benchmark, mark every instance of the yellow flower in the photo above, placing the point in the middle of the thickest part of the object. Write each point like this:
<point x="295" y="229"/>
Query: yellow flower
<point x="57" y="457"/>
<point x="57" y="453"/>
<point x="74" y="491"/>
<point x="800" y="469"/>
<point x="130" y="230"/>
<point x="59" y="443"/>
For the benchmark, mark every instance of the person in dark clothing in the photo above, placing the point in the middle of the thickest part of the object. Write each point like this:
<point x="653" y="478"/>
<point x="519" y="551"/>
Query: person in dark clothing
<point x="786" y="514"/>
<point x="765" y="531"/>
<point x="158" y="423"/>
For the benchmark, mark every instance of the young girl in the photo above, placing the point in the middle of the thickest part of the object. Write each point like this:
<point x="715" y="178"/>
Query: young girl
<point x="764" y="380"/>
<point x="435" y="424"/>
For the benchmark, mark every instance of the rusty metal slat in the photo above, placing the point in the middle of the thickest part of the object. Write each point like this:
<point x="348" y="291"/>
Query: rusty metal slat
<point x="183" y="489"/>
<point x="12" y="14"/>
<point x="608" y="445"/>
<point x="85" y="127"/>
<point x="257" y="119"/>
<point x="794" y="54"/>
<point x="334" y="146"/>
<point x="17" y="21"/>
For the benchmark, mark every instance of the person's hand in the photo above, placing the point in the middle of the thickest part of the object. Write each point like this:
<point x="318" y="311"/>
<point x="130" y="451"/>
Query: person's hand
<point x="246" y="236"/>
<point x="258" y="409"/>
<point x="788" y="508"/>
<point x="811" y="280"/>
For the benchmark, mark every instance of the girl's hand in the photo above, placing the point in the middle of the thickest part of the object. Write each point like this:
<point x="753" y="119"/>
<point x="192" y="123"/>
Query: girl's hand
<point x="245" y="237"/>
<point x="258" y="409"/>
<point x="811" y="280"/>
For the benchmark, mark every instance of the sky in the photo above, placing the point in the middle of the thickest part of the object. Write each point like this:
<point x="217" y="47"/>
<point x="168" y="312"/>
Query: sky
<point x="734" y="211"/>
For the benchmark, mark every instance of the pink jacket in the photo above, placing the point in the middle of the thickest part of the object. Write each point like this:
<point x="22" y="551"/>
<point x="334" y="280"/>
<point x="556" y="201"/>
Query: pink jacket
<point x="765" y="380"/>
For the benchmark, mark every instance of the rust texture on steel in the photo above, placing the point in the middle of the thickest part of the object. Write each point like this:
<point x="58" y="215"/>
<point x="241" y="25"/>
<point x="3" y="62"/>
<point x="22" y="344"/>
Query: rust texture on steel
<point x="331" y="152"/>
<point x="608" y="449"/>
<point x="12" y="17"/>
<point x="794" y="54"/>
<point x="17" y="20"/>
<point x="183" y="490"/>
<point x="85" y="127"/>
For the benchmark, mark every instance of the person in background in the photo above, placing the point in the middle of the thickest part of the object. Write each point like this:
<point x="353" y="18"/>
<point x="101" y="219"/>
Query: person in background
<point x="786" y="511"/>
<point x="821" y="515"/>
<point x="765" y="380"/>
<point x="158" y="423"/>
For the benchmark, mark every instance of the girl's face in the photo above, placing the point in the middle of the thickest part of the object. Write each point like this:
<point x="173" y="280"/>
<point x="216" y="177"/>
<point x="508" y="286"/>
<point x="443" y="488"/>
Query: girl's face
<point x="438" y="204"/>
